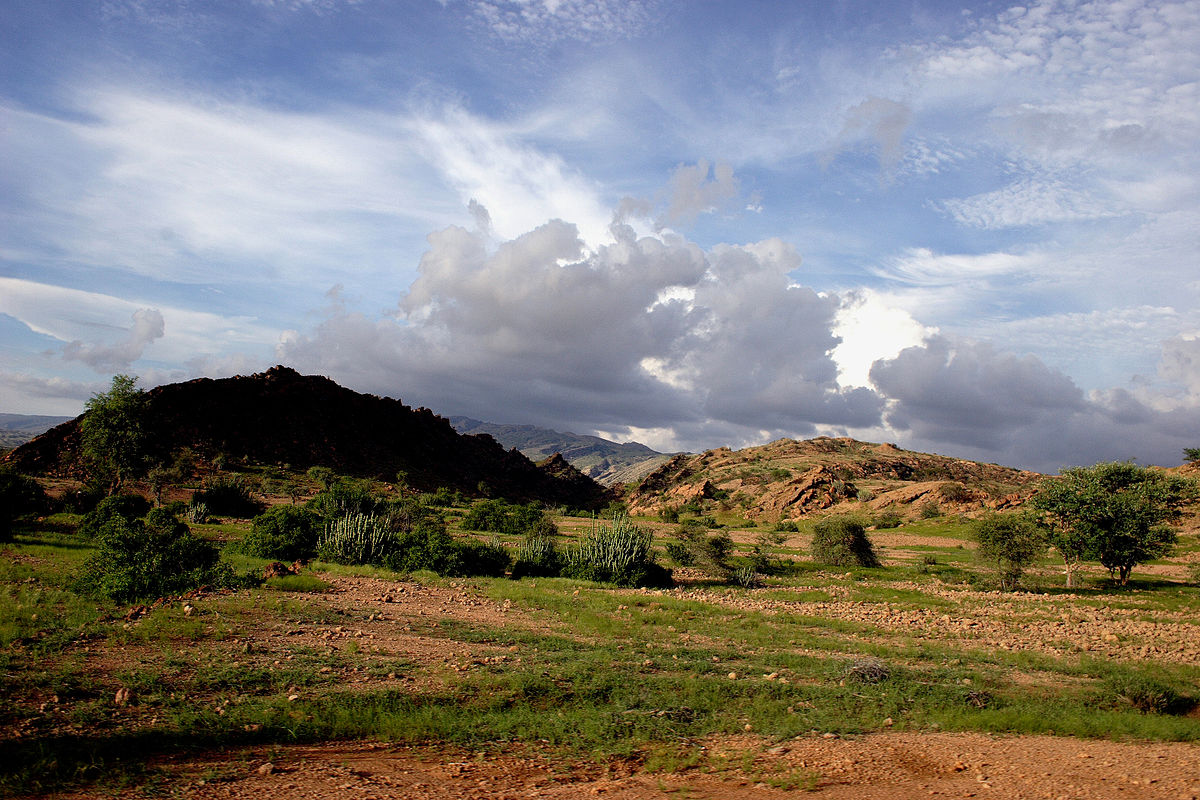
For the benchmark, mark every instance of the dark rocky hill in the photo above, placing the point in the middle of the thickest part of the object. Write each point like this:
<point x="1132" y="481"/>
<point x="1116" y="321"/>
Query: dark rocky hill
<point x="281" y="417"/>
<point x="610" y="463"/>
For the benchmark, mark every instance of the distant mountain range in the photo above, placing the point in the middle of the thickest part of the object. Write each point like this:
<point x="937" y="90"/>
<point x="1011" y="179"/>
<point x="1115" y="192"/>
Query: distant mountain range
<point x="609" y="463"/>
<point x="17" y="429"/>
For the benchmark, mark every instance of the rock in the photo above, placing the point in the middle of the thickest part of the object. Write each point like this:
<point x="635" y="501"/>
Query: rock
<point x="123" y="697"/>
<point x="265" y="769"/>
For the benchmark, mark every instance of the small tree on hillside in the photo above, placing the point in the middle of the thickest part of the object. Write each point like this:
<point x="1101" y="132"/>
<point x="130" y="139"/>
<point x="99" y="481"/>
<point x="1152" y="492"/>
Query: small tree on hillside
<point x="113" y="434"/>
<point x="1114" y="513"/>
<point x="1010" y="542"/>
<point x="1191" y="454"/>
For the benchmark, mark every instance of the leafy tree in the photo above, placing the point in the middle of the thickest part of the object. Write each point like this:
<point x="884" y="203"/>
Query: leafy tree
<point x="1191" y="454"/>
<point x="1113" y="513"/>
<point x="113" y="433"/>
<point x="1011" y="542"/>
<point x="19" y="496"/>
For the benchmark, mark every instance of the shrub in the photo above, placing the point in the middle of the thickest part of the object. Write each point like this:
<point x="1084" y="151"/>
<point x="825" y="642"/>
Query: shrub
<point x="142" y="559"/>
<point x="228" y="497"/>
<point x="888" y="519"/>
<point x="19" y="496"/>
<point x="618" y="553"/>
<point x="1009" y="543"/>
<point x="842" y="542"/>
<point x="669" y="514"/>
<point x="865" y="495"/>
<point x="1146" y="695"/>
<point x="955" y="492"/>
<point x="867" y="671"/>
<point x="498" y="516"/>
<point x="787" y="526"/>
<point x="124" y="506"/>
<point x="287" y="533"/>
<point x="929" y="510"/>
<point x="346" y="496"/>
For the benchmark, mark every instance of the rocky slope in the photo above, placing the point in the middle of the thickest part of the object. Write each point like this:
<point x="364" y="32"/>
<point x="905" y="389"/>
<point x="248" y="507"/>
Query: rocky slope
<point x="282" y="417"/>
<point x="609" y="463"/>
<point x="788" y="479"/>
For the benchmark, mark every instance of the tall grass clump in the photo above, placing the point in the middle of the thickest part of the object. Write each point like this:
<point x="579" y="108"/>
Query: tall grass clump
<point x="355" y="538"/>
<point x="842" y="542"/>
<point x="537" y="556"/>
<point x="618" y="552"/>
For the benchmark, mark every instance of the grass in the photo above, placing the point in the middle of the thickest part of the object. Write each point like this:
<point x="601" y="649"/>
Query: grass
<point x="594" y="671"/>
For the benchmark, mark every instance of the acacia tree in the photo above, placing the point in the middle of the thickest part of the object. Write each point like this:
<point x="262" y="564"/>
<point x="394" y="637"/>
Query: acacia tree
<point x="1011" y="542"/>
<point x="113" y="431"/>
<point x="1114" y="513"/>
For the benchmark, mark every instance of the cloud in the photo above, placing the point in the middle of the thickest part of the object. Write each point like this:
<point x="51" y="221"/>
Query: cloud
<point x="884" y="121"/>
<point x="1028" y="202"/>
<point x="87" y="323"/>
<point x="114" y="357"/>
<point x="649" y="333"/>
<point x="997" y="406"/>
<point x="520" y="185"/>
<point x="1181" y="362"/>
<point x="540" y="22"/>
<point x="693" y="192"/>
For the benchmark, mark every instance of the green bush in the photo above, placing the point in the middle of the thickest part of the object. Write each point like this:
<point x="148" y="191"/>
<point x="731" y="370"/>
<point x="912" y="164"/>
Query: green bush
<point x="156" y="557"/>
<point x="123" y="506"/>
<point x="287" y="533"/>
<point x="842" y="542"/>
<point x="498" y="516"/>
<point x="888" y="519"/>
<point x="346" y="496"/>
<point x="787" y="526"/>
<point x="930" y="509"/>
<point x="228" y="497"/>
<point x="618" y="553"/>
<point x="20" y="496"/>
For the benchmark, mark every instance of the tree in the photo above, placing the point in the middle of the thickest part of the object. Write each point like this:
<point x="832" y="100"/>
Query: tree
<point x="1191" y="454"/>
<point x="1011" y="542"/>
<point x="20" y="496"/>
<point x="114" y="436"/>
<point x="1114" y="513"/>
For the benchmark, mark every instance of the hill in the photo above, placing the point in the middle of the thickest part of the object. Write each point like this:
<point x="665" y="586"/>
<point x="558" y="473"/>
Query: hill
<point x="17" y="429"/>
<point x="281" y="417"/>
<point x="789" y="478"/>
<point x="608" y="462"/>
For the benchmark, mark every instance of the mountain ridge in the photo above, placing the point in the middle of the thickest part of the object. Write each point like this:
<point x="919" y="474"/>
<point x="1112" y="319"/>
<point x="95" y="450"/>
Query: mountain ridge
<point x="282" y="417"/>
<point x="609" y="463"/>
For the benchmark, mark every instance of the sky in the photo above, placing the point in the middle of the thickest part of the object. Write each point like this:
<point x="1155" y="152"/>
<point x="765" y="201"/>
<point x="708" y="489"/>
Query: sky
<point x="969" y="228"/>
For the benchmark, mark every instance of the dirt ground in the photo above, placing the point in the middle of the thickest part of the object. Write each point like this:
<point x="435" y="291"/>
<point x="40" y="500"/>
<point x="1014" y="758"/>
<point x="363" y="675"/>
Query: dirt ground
<point x="882" y="766"/>
<point x="387" y="617"/>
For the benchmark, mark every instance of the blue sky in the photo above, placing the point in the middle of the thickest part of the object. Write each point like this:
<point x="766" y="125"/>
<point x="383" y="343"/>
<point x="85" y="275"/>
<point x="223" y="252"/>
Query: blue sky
<point x="965" y="228"/>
